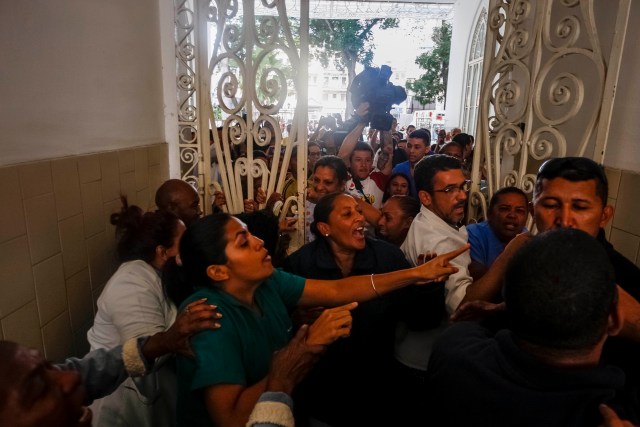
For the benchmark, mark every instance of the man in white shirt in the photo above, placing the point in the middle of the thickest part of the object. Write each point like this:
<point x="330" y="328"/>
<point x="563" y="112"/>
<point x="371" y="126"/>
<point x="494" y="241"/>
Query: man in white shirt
<point x="366" y="183"/>
<point x="442" y="190"/>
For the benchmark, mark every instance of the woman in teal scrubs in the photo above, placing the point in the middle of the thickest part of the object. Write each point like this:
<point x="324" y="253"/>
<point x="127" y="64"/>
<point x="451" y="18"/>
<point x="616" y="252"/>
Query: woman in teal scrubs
<point x="225" y="263"/>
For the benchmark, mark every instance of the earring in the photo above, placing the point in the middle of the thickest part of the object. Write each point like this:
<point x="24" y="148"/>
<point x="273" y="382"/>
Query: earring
<point x="326" y="235"/>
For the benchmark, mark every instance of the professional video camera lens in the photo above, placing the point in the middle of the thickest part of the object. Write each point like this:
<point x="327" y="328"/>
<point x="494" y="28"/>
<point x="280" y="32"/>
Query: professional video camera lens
<point x="372" y="85"/>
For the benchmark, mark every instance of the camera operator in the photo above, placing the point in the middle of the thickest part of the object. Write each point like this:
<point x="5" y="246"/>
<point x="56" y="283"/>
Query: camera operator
<point x="355" y="129"/>
<point x="366" y="182"/>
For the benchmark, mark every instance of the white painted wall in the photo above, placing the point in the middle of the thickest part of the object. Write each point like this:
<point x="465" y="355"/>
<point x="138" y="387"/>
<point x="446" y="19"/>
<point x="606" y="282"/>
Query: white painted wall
<point x="465" y="15"/>
<point x="168" y="55"/>
<point x="623" y="149"/>
<point x="78" y="77"/>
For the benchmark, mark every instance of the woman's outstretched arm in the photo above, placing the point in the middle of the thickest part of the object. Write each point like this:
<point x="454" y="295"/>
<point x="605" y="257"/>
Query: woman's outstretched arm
<point x="363" y="288"/>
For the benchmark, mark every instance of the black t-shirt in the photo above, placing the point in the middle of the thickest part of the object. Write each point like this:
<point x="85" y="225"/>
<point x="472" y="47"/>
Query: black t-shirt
<point x="619" y="351"/>
<point x="477" y="379"/>
<point x="349" y="385"/>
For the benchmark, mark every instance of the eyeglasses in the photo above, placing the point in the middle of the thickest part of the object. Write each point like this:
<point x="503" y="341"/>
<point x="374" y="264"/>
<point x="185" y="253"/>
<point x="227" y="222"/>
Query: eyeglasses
<point x="455" y="189"/>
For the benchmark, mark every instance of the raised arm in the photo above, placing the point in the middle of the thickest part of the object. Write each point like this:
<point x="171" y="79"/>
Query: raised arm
<point x="317" y="134"/>
<point x="373" y="139"/>
<point x="350" y="141"/>
<point x="370" y="212"/>
<point x="385" y="162"/>
<point x="363" y="288"/>
<point x="488" y="287"/>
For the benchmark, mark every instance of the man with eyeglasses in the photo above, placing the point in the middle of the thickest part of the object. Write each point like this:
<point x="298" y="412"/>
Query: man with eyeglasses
<point x="442" y="191"/>
<point x="314" y="152"/>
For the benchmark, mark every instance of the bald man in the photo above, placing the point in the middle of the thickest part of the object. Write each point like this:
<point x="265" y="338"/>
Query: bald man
<point x="179" y="197"/>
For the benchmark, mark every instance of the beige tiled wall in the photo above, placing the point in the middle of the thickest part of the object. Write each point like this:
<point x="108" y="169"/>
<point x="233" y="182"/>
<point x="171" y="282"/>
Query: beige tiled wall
<point x="56" y="243"/>
<point x="624" y="229"/>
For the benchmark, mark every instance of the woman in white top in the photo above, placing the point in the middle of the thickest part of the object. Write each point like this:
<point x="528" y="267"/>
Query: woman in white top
<point x="133" y="304"/>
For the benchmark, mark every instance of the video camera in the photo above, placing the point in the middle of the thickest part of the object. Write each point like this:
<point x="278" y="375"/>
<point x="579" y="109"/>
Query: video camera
<point x="372" y="85"/>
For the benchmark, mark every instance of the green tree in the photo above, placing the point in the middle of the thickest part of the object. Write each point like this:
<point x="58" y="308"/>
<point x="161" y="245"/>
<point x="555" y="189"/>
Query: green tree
<point x="346" y="42"/>
<point x="432" y="85"/>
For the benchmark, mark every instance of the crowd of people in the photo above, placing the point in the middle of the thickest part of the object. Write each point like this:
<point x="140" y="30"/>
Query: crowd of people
<point x="393" y="312"/>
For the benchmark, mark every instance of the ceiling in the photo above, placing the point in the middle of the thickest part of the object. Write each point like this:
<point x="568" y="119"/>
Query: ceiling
<point x="352" y="9"/>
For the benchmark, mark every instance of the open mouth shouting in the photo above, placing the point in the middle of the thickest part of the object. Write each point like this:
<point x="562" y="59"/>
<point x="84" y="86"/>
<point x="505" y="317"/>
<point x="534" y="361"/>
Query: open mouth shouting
<point x="511" y="226"/>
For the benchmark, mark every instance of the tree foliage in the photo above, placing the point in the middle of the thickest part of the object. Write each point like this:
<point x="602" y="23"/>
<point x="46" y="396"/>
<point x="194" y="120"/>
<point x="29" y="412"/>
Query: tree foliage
<point x="432" y="85"/>
<point x="346" y="42"/>
<point x="265" y="77"/>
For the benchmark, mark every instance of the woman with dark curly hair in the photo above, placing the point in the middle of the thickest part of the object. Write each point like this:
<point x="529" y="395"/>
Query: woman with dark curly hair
<point x="133" y="304"/>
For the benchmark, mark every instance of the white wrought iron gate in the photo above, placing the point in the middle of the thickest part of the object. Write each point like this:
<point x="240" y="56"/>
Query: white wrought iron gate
<point x="550" y="72"/>
<point x="237" y="62"/>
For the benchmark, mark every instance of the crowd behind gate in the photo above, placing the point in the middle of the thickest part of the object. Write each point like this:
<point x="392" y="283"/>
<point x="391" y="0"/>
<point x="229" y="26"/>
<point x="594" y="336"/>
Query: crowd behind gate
<point x="394" y="311"/>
